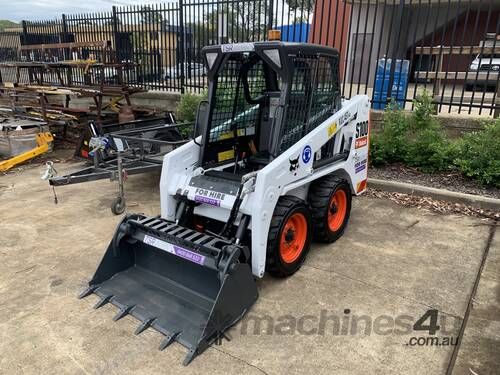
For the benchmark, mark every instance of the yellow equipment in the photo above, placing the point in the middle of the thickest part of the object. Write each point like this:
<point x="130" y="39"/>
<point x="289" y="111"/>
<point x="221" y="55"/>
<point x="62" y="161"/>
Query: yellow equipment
<point x="42" y="139"/>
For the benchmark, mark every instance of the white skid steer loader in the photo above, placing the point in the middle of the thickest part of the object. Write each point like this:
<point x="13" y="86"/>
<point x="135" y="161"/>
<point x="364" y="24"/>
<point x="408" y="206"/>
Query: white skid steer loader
<point x="276" y="161"/>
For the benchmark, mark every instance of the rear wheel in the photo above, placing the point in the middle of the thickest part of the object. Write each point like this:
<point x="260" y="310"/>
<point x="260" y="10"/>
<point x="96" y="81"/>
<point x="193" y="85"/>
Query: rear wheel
<point x="289" y="236"/>
<point x="330" y="201"/>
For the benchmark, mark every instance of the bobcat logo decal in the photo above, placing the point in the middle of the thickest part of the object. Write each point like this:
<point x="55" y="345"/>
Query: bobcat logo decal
<point x="294" y="163"/>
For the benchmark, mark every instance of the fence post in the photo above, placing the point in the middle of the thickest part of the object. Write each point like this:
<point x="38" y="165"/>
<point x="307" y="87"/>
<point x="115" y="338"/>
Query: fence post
<point x="180" y="59"/>
<point x="25" y="33"/>
<point x="64" y="29"/>
<point x="115" y="29"/>
<point x="395" y="50"/>
<point x="270" y="16"/>
<point x="65" y="36"/>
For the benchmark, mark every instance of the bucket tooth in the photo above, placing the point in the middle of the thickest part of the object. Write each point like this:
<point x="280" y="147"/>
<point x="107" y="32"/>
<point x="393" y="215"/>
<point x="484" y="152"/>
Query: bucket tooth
<point x="122" y="312"/>
<point x="104" y="300"/>
<point x="168" y="340"/>
<point x="189" y="357"/>
<point x="144" y="326"/>
<point x="87" y="292"/>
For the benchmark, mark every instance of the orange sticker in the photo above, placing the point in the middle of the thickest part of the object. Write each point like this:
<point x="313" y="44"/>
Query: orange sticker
<point x="361" y="186"/>
<point x="361" y="142"/>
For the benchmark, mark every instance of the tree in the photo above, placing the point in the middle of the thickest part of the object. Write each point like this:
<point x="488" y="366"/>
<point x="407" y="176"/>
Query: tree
<point x="305" y="6"/>
<point x="150" y="16"/>
<point x="244" y="21"/>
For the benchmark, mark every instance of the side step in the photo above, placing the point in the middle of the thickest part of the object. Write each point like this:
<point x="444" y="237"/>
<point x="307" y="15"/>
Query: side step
<point x="187" y="285"/>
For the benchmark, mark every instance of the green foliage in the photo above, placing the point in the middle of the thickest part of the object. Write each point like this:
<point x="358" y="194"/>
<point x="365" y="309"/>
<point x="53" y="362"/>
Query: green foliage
<point x="429" y="151"/>
<point x="226" y="93"/>
<point x="422" y="112"/>
<point x="390" y="145"/>
<point x="427" y="148"/>
<point x="6" y="23"/>
<point x="304" y="6"/>
<point x="188" y="105"/>
<point x="479" y="154"/>
<point x="418" y="140"/>
<point x="244" y="20"/>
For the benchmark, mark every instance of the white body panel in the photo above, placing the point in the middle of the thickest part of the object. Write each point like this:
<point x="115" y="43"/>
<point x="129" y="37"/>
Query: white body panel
<point x="278" y="178"/>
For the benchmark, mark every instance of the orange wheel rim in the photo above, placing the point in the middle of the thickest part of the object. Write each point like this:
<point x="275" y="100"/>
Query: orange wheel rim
<point x="337" y="210"/>
<point x="293" y="238"/>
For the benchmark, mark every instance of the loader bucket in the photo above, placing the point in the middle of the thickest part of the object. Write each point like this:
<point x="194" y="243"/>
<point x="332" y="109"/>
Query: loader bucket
<point x="187" y="285"/>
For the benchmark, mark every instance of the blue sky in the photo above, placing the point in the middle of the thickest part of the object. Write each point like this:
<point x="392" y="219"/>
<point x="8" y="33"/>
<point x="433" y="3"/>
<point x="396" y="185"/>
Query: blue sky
<point x="17" y="10"/>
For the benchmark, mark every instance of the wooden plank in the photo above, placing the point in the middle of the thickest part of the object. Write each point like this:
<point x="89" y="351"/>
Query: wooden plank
<point x="465" y="50"/>
<point x="472" y="75"/>
<point x="99" y="43"/>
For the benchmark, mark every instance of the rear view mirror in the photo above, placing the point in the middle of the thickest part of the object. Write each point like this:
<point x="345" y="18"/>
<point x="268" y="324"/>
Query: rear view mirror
<point x="201" y="118"/>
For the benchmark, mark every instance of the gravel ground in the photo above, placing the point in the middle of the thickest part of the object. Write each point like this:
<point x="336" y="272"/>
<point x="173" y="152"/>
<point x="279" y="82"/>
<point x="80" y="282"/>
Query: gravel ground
<point x="453" y="181"/>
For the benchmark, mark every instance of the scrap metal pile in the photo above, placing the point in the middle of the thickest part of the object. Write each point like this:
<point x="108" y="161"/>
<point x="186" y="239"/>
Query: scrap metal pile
<point x="83" y="85"/>
<point x="49" y="77"/>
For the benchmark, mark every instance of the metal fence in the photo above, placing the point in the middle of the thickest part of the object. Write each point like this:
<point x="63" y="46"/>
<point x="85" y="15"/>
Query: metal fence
<point x="389" y="48"/>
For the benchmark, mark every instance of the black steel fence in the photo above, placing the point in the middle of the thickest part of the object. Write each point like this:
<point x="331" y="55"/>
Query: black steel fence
<point x="389" y="48"/>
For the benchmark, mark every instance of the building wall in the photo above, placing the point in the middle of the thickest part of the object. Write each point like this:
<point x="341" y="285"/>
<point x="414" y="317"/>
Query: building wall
<point x="168" y="48"/>
<point x="330" y="27"/>
<point x="464" y="32"/>
<point x="417" y="27"/>
<point x="374" y="22"/>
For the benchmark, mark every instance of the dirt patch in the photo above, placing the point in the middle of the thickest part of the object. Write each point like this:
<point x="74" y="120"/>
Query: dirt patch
<point x="434" y="205"/>
<point x="453" y="181"/>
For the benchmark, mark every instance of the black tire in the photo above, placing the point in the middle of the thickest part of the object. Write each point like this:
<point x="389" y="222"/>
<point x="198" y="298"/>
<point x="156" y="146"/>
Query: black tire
<point x="286" y="207"/>
<point x="118" y="206"/>
<point x="469" y="87"/>
<point x="321" y="194"/>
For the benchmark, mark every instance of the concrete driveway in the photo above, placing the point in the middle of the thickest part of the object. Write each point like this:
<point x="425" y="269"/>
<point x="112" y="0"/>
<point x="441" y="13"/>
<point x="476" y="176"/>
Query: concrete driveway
<point x="349" y="310"/>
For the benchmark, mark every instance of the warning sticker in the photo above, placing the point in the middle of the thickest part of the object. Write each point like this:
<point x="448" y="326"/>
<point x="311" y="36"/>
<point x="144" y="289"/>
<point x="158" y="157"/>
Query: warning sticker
<point x="332" y="129"/>
<point x="225" y="155"/>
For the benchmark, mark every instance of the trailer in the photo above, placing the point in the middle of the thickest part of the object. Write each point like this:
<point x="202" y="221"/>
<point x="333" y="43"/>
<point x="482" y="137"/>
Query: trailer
<point x="137" y="149"/>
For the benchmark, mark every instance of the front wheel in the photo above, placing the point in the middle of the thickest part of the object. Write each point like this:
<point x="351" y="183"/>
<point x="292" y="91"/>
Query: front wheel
<point x="289" y="236"/>
<point x="330" y="200"/>
<point x="118" y="206"/>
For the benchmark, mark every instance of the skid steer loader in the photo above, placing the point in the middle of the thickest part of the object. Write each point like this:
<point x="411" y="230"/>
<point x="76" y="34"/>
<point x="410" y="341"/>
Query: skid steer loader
<point x="278" y="157"/>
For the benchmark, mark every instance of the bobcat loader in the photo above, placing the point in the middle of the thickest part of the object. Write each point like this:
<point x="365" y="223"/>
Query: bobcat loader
<point x="277" y="159"/>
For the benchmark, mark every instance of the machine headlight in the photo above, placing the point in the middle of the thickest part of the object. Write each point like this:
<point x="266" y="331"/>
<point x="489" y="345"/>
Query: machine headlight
<point x="495" y="67"/>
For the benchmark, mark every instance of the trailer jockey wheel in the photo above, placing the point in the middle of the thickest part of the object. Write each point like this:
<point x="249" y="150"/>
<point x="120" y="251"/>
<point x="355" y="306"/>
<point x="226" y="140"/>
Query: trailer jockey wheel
<point x="118" y="205"/>
<point x="330" y="200"/>
<point x="289" y="236"/>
